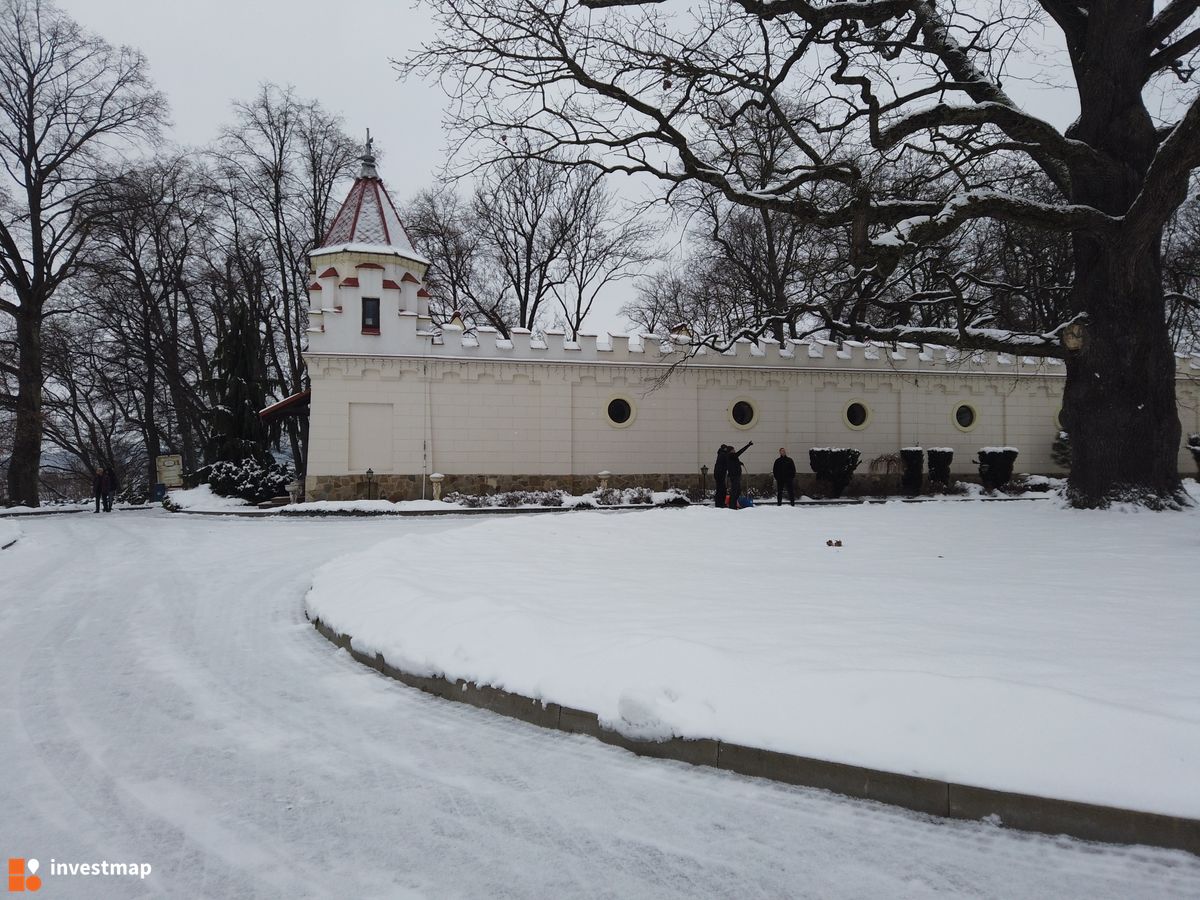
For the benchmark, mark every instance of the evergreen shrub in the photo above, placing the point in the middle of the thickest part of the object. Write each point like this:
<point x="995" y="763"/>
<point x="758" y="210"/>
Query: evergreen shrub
<point x="939" y="466"/>
<point x="248" y="479"/>
<point x="1193" y="444"/>
<point x="913" y="460"/>
<point x="996" y="466"/>
<point x="834" y="465"/>
<point x="1060" y="451"/>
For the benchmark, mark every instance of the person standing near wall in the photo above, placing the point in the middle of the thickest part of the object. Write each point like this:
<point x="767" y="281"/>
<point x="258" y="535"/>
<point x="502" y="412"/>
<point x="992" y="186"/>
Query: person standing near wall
<point x="720" y="471"/>
<point x="785" y="478"/>
<point x="734" y="474"/>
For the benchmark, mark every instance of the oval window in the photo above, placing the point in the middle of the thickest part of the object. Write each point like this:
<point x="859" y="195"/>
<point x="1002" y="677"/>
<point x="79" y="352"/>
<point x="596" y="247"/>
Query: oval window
<point x="743" y="413"/>
<point x="857" y="415"/>
<point x="619" y="411"/>
<point x="965" y="416"/>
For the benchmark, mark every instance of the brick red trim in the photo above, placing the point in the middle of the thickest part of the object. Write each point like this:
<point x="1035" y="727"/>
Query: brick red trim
<point x="389" y="285"/>
<point x="387" y="238"/>
<point x="410" y="278"/>
<point x="331" y="272"/>
<point x="368" y="266"/>
<point x="315" y="287"/>
<point x="349" y="282"/>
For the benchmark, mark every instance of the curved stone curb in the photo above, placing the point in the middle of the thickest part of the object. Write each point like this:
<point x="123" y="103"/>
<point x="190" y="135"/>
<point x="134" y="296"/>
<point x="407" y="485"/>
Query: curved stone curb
<point x="463" y="511"/>
<point x="1024" y="812"/>
<point x="533" y="510"/>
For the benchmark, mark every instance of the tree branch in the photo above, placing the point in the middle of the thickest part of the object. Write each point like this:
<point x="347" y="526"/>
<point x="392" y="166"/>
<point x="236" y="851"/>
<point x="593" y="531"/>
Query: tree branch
<point x="1171" y="17"/>
<point x="1166" y="183"/>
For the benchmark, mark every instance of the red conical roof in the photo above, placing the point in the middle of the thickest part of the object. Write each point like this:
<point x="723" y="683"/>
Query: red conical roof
<point x="368" y="220"/>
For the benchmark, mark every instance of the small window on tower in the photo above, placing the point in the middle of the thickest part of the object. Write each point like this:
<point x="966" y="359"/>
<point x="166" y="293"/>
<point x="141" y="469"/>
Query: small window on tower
<point x="370" y="315"/>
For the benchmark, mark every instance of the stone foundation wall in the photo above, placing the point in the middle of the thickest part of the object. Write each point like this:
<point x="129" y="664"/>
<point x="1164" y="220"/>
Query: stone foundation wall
<point x="408" y="487"/>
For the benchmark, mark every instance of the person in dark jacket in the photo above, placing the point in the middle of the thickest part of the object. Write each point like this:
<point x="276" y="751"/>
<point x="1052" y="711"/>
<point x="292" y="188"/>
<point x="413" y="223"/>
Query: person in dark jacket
<point x="720" y="471"/>
<point x="785" y="478"/>
<point x="110" y="488"/>
<point x="733" y="472"/>
<point x="99" y="487"/>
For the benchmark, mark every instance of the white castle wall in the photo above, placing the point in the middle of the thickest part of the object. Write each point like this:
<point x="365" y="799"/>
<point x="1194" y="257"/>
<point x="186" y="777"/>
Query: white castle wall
<point x="476" y="405"/>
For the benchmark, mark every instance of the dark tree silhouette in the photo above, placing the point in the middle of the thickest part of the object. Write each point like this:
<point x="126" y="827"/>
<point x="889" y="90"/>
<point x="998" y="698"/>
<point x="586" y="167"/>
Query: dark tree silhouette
<point x="67" y="98"/>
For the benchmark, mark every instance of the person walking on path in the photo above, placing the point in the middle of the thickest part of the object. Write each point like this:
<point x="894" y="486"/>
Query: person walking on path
<point x="785" y="478"/>
<point x="733" y="473"/>
<point x="720" y="471"/>
<point x="100" y="487"/>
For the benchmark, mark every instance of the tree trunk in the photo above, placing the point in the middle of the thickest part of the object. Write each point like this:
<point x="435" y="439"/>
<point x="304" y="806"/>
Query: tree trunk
<point x="1119" y="403"/>
<point x="25" y="464"/>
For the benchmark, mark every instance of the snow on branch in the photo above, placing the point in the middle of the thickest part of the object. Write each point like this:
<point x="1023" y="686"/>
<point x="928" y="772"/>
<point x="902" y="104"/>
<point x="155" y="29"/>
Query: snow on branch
<point x="1015" y="123"/>
<point x="989" y="204"/>
<point x="968" y="337"/>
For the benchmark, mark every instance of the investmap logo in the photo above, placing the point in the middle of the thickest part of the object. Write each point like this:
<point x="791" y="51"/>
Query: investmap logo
<point x="23" y="876"/>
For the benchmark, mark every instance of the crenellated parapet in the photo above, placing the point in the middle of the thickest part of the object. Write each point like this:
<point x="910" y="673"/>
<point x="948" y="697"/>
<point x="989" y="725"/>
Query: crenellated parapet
<point x="411" y="333"/>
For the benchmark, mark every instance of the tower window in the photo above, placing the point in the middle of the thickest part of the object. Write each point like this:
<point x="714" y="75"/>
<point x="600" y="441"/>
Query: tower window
<point x="370" y="315"/>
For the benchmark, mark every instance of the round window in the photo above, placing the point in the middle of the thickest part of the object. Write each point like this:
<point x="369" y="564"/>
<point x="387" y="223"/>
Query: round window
<point x="743" y="413"/>
<point x="965" y="417"/>
<point x="620" y="411"/>
<point x="857" y="415"/>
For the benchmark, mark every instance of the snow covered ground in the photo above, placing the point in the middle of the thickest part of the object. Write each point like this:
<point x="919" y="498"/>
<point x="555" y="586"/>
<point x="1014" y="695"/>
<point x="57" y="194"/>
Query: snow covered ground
<point x="203" y="499"/>
<point x="8" y="511"/>
<point x="9" y="532"/>
<point x="165" y="701"/>
<point x="1017" y="646"/>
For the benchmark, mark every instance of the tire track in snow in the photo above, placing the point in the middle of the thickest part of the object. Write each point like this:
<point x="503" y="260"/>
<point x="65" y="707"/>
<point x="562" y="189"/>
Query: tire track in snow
<point x="251" y="753"/>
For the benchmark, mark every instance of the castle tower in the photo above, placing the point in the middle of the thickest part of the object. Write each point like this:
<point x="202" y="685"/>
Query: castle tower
<point x="366" y="278"/>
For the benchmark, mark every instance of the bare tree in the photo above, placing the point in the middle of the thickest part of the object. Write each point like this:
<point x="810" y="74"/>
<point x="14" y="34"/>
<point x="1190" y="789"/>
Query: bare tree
<point x="603" y="247"/>
<point x="533" y="234"/>
<point x="144" y="280"/>
<point x="278" y="166"/>
<point x="67" y="98"/>
<point x="625" y="86"/>
<point x="461" y="275"/>
<point x="521" y="209"/>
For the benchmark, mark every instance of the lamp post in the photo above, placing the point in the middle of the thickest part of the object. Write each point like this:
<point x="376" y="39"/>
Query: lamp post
<point x="703" y="482"/>
<point x="370" y="484"/>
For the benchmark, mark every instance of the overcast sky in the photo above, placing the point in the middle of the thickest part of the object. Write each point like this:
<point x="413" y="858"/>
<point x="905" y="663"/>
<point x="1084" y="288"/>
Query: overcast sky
<point x="206" y="53"/>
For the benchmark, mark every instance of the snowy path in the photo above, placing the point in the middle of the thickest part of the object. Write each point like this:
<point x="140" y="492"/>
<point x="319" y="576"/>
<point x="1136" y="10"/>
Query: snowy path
<point x="164" y="701"/>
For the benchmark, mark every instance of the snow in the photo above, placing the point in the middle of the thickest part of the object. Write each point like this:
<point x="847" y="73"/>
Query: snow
<point x="9" y="532"/>
<point x="7" y="511"/>
<point x="165" y="701"/>
<point x="1017" y="646"/>
<point x="370" y="506"/>
<point x="202" y="498"/>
